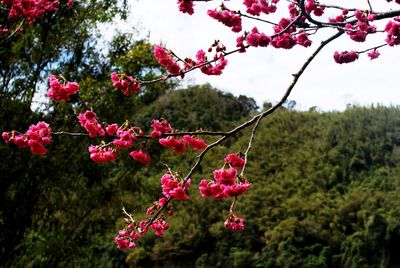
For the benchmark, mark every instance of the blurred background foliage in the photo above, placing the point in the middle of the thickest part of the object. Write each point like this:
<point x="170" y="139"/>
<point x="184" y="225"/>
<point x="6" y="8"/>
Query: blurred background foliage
<point x="325" y="185"/>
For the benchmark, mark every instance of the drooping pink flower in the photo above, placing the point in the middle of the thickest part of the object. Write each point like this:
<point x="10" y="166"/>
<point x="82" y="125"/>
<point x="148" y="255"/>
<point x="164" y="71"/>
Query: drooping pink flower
<point x="255" y="38"/>
<point x="234" y="160"/>
<point x="373" y="54"/>
<point x="89" y="122"/>
<point x="102" y="154"/>
<point x="160" y="127"/>
<point x="127" y="84"/>
<point x="255" y="7"/>
<point x="61" y="91"/>
<point x="36" y="137"/>
<point x="125" y="139"/>
<point x="140" y="156"/>
<point x="177" y="145"/>
<point x="111" y="129"/>
<point x="225" y="176"/>
<point x="172" y="187"/>
<point x="345" y="57"/>
<point x="159" y="227"/>
<point x="228" y="18"/>
<point x="234" y="223"/>
<point x="186" y="6"/>
<point x="195" y="144"/>
<point x="392" y="29"/>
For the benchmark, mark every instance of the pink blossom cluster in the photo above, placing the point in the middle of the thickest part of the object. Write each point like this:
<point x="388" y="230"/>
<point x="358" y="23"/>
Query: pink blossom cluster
<point x="88" y="120"/>
<point x="393" y="32"/>
<point x="166" y="60"/>
<point x="36" y="137"/>
<point x="160" y="128"/>
<point x="186" y="6"/>
<point x="102" y="154"/>
<point x="255" y="7"/>
<point x="159" y="226"/>
<point x="255" y="39"/>
<point x="284" y="39"/>
<point x="179" y="145"/>
<point x="126" y="237"/>
<point x="173" y="186"/>
<point x="30" y="9"/>
<point x="234" y="223"/>
<point x="226" y="182"/>
<point x="228" y="18"/>
<point x="361" y="29"/>
<point x="345" y="57"/>
<point x="61" y="91"/>
<point x="127" y="84"/>
<point x="124" y="138"/>
<point x="373" y="54"/>
<point x="210" y="69"/>
<point x="312" y="6"/>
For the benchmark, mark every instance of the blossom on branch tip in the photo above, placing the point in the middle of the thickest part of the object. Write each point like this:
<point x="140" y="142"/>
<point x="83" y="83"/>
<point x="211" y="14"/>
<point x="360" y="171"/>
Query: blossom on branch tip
<point x="234" y="223"/>
<point x="140" y="156"/>
<point x="36" y="137"/>
<point x="234" y="160"/>
<point x="228" y="18"/>
<point x="345" y="57"/>
<point x="373" y="54"/>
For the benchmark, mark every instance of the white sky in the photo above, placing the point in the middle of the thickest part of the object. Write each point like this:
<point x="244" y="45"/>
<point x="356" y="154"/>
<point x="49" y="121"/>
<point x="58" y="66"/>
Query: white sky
<point x="265" y="73"/>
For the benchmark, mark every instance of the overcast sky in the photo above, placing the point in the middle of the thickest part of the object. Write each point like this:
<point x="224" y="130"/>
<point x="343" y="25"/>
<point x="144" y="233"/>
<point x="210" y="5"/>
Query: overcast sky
<point x="265" y="73"/>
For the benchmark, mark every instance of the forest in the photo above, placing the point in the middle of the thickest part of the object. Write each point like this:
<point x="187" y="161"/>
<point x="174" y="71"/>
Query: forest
<point x="325" y="189"/>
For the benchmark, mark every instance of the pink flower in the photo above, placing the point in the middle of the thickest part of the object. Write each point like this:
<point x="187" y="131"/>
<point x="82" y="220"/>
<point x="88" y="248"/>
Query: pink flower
<point x="228" y="18"/>
<point x="124" y="139"/>
<point x="373" y="54"/>
<point x="178" y="146"/>
<point x="160" y="127"/>
<point x="140" y="156"/>
<point x="35" y="138"/>
<point x="102" y="154"/>
<point x="195" y="144"/>
<point x="256" y="39"/>
<point x="172" y="187"/>
<point x="127" y="84"/>
<point x="234" y="160"/>
<point x="393" y="33"/>
<point x="225" y="176"/>
<point x="234" y="223"/>
<point x="61" y="92"/>
<point x="159" y="227"/>
<point x="166" y="60"/>
<point x="345" y="57"/>
<point x="186" y="6"/>
<point x="89" y="122"/>
<point x="111" y="129"/>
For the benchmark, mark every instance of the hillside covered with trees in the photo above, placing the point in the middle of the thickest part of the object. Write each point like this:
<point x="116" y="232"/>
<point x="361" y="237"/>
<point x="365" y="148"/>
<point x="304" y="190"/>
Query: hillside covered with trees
<point x="325" y="193"/>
